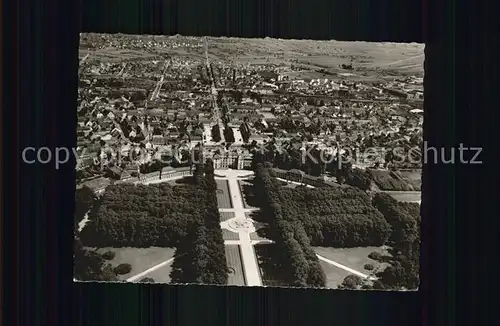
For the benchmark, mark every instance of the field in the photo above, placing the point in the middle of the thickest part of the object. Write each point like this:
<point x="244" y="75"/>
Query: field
<point x="354" y="258"/>
<point x="314" y="59"/>
<point x="223" y="195"/>
<point x="229" y="235"/>
<point x="141" y="259"/>
<point x="224" y="216"/>
<point x="233" y="257"/>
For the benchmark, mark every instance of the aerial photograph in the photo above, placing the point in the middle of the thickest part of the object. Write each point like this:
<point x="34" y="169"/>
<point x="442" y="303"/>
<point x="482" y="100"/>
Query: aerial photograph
<point x="248" y="162"/>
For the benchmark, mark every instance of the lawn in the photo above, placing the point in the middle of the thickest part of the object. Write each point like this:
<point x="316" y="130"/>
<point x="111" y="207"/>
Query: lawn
<point x="334" y="275"/>
<point x="224" y="216"/>
<point x="141" y="259"/>
<point x="223" y="195"/>
<point x="354" y="258"/>
<point x="229" y="235"/>
<point x="234" y="262"/>
<point x="411" y="197"/>
<point x="161" y="275"/>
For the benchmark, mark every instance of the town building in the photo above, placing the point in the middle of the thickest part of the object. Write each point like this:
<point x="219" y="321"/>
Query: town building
<point x="231" y="160"/>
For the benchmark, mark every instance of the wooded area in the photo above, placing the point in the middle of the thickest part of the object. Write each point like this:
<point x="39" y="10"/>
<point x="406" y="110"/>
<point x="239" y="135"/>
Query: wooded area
<point x="297" y="258"/>
<point x="404" y="219"/>
<point x="340" y="217"/>
<point x="184" y="216"/>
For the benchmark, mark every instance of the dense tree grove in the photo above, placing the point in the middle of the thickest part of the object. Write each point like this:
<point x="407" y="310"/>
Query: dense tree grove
<point x="141" y="216"/>
<point x="337" y="217"/>
<point x="404" y="219"/>
<point x="411" y="208"/>
<point x="184" y="216"/>
<point x="298" y="257"/>
<point x="332" y="217"/>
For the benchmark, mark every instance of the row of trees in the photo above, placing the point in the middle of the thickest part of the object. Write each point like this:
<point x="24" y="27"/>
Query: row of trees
<point x="216" y="136"/>
<point x="404" y="219"/>
<point x="298" y="260"/>
<point x="229" y="134"/>
<point x="200" y="255"/>
<point x="245" y="132"/>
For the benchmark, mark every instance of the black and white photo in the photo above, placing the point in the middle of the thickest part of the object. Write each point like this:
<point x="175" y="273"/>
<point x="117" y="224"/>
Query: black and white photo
<point x="248" y="162"/>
